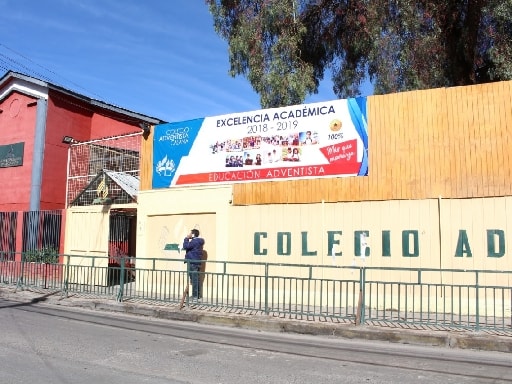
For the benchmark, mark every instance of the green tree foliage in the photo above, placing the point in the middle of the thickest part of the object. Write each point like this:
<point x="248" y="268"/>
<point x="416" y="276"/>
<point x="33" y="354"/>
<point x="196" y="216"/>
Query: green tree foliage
<point x="284" y="47"/>
<point x="265" y="39"/>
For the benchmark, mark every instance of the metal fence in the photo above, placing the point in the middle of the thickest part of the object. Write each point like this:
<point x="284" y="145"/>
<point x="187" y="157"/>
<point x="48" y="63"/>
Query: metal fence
<point x="451" y="299"/>
<point x="40" y="230"/>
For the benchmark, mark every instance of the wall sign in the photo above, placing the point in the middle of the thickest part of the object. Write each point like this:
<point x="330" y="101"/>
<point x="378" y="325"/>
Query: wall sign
<point x="11" y="155"/>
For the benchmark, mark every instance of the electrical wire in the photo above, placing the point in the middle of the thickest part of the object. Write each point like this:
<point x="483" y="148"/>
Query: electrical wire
<point x="46" y="69"/>
<point x="8" y="63"/>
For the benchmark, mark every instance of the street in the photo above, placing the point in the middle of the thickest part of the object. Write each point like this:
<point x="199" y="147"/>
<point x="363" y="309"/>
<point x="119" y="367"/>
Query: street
<point x="47" y="344"/>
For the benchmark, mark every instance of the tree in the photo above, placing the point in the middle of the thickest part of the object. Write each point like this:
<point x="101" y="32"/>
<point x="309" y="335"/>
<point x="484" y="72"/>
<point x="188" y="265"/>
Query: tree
<point x="264" y="45"/>
<point x="284" y="47"/>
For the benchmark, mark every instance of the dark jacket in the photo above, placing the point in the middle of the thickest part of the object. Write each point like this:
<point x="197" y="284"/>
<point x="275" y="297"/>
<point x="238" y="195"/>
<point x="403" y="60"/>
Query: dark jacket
<point x="193" y="248"/>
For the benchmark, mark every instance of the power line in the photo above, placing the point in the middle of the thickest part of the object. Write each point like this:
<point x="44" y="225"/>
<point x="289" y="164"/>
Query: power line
<point x="10" y="61"/>
<point x="37" y="74"/>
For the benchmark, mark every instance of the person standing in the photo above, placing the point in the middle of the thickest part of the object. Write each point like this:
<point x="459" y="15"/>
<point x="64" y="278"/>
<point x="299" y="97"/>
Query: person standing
<point x="193" y="246"/>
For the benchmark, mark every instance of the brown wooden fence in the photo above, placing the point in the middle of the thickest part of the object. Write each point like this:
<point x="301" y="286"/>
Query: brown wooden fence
<point x="449" y="142"/>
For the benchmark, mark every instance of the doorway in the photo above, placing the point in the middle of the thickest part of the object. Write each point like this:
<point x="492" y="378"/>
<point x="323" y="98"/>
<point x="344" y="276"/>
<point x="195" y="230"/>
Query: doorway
<point x="122" y="245"/>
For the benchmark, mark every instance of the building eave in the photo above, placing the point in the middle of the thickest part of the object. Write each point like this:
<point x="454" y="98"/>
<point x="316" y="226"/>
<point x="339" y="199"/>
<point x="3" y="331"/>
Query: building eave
<point x="39" y="89"/>
<point x="36" y="89"/>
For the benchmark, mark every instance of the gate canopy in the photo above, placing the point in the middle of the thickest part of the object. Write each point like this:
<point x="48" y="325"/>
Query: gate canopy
<point x="109" y="187"/>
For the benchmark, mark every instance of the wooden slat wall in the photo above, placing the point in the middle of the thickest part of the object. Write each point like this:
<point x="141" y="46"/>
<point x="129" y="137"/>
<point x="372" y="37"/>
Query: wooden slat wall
<point x="146" y="161"/>
<point x="450" y="142"/>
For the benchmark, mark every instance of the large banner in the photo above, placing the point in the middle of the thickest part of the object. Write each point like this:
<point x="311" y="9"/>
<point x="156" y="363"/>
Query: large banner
<point x="326" y="139"/>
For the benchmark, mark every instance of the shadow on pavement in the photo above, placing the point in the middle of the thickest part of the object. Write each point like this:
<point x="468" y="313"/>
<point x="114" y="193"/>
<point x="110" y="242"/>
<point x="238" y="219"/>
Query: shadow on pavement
<point x="7" y="303"/>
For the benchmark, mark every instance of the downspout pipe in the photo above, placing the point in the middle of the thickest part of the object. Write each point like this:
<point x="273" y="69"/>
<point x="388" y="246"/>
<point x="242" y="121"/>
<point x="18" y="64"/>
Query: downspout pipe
<point x="36" y="178"/>
<point x="38" y="155"/>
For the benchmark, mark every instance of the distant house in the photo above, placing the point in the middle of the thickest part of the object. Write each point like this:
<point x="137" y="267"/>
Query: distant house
<point x="35" y="115"/>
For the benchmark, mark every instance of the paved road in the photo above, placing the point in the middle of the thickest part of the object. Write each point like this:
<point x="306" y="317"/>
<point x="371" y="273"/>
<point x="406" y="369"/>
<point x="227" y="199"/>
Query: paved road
<point x="47" y="344"/>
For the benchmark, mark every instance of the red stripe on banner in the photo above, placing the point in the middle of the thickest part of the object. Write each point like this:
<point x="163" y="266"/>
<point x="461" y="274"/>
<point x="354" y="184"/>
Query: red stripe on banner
<point x="342" y="159"/>
<point x="309" y="171"/>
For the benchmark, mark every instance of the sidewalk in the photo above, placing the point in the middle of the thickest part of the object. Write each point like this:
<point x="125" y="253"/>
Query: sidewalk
<point x="208" y="315"/>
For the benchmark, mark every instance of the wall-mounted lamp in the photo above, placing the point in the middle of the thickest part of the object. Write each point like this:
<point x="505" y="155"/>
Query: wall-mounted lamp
<point x="69" y="140"/>
<point x="145" y="127"/>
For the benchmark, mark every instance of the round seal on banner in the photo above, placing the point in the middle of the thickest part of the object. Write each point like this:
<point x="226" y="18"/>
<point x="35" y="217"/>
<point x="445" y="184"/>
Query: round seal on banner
<point x="335" y="125"/>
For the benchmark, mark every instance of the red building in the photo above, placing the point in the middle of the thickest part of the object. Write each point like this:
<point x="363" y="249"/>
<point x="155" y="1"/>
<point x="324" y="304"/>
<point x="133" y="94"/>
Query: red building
<point x="34" y="117"/>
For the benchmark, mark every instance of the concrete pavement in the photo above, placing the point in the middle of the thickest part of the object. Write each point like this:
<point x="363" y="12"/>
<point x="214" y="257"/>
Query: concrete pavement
<point x="463" y="339"/>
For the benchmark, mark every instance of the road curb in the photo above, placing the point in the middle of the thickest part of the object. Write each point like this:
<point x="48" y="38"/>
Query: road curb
<point x="461" y="340"/>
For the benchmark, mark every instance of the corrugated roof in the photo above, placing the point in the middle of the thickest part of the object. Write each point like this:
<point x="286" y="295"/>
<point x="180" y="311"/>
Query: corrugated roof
<point x="129" y="183"/>
<point x="121" y="188"/>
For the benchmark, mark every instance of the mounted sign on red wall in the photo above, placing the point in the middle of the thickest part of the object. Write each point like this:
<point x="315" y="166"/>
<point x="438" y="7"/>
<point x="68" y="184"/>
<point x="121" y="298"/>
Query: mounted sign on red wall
<point x="11" y="155"/>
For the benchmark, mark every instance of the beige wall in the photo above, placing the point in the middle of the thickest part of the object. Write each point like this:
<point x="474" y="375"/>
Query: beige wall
<point x="165" y="216"/>
<point x="230" y="236"/>
<point x="87" y="230"/>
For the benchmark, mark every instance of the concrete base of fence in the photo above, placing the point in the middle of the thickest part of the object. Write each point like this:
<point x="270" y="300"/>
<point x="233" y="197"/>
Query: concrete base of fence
<point x="204" y="315"/>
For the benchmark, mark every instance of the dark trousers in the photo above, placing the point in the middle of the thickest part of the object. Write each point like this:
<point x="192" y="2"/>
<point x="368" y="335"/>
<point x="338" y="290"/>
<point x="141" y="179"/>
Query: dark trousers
<point x="193" y="273"/>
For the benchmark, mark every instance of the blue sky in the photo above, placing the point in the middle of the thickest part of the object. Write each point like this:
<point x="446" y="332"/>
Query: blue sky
<point x="161" y="58"/>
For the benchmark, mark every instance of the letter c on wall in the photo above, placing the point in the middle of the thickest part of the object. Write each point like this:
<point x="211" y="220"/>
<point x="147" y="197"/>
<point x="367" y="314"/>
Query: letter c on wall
<point x="257" y="244"/>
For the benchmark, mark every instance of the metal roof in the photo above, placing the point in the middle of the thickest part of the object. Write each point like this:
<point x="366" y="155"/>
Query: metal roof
<point x="130" y="184"/>
<point x="37" y="82"/>
<point x="120" y="188"/>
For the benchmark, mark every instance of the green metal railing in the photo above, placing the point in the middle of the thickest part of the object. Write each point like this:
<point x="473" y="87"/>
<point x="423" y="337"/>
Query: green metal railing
<point x="450" y="298"/>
